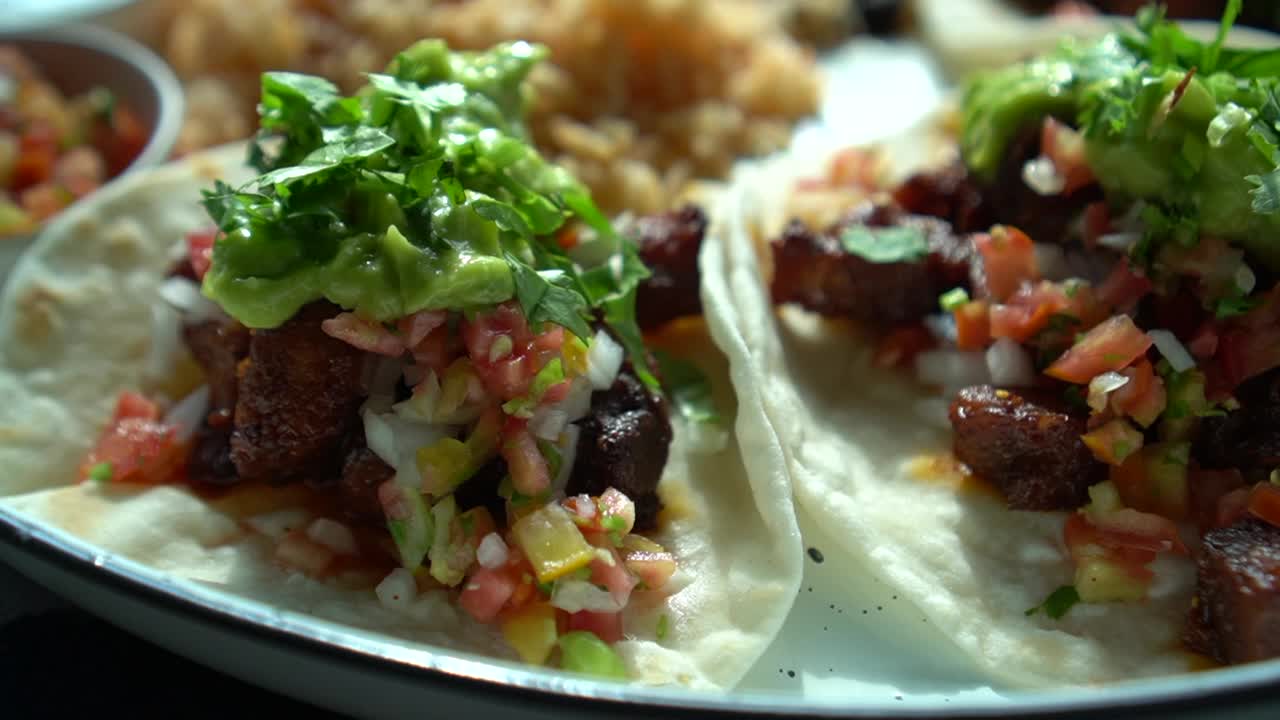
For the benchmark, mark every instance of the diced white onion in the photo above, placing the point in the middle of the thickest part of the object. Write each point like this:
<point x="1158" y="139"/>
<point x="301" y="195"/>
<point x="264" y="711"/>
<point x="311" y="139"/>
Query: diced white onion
<point x="604" y="360"/>
<point x="952" y="369"/>
<point x="333" y="535"/>
<point x="166" y="327"/>
<point x="1052" y="261"/>
<point x="1102" y="385"/>
<point x="189" y="413"/>
<point x="1120" y="241"/>
<point x="1172" y="350"/>
<point x="492" y="551"/>
<point x="578" y="402"/>
<point x="379" y="437"/>
<point x="397" y="440"/>
<point x="548" y="421"/>
<point x="578" y="595"/>
<point x="397" y="590"/>
<point x="1009" y="364"/>
<point x="300" y="553"/>
<point x="276" y="525"/>
<point x="1041" y="175"/>
<point x="568" y="447"/>
<point x="1246" y="281"/>
<point x="184" y="295"/>
<point x="942" y="327"/>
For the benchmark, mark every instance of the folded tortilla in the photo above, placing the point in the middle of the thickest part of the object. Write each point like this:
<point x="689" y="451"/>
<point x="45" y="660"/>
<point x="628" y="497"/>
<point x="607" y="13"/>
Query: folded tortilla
<point x="868" y="451"/>
<point x="76" y="327"/>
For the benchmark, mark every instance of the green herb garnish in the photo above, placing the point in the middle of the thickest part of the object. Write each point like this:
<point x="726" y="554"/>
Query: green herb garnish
<point x="420" y="192"/>
<point x="688" y="388"/>
<point x="664" y="625"/>
<point x="885" y="244"/>
<point x="1058" y="603"/>
<point x="101" y="472"/>
<point x="953" y="299"/>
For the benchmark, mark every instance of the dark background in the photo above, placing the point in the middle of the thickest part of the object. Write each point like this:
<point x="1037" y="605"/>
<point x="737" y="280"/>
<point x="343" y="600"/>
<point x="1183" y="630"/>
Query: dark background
<point x="58" y="661"/>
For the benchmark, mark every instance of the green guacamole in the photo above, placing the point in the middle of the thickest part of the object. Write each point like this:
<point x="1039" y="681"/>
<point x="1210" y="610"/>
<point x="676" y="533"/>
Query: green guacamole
<point x="420" y="192"/>
<point x="1205" y="154"/>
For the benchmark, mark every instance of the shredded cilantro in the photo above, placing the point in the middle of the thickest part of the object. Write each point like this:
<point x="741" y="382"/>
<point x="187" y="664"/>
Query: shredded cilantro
<point x="613" y="523"/>
<point x="664" y="623"/>
<point x="421" y="191"/>
<point x="101" y="473"/>
<point x="1058" y="603"/>
<point x="885" y="244"/>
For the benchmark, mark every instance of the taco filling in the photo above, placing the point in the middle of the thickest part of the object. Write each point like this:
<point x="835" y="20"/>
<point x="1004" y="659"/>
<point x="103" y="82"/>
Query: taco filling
<point x="413" y="316"/>
<point x="1093" y="288"/>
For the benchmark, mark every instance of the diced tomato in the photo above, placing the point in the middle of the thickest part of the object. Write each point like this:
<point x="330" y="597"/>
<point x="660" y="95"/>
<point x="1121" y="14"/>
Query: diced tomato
<point x="1123" y="288"/>
<point x="485" y="592"/>
<point x="650" y="562"/>
<point x="133" y="405"/>
<point x="854" y="167"/>
<point x="556" y="393"/>
<point x="480" y="332"/>
<point x="1133" y="529"/>
<point x="1205" y="489"/>
<point x="37" y="154"/>
<point x="139" y="451"/>
<point x="1143" y="398"/>
<point x="1231" y="507"/>
<point x="529" y="472"/>
<point x="615" y="507"/>
<point x="1250" y="345"/>
<point x="432" y="352"/>
<point x="367" y="335"/>
<point x="200" y="250"/>
<point x="1113" y="442"/>
<point x="1084" y="540"/>
<point x="1065" y="147"/>
<point x="613" y="575"/>
<point x="120" y="140"/>
<point x="1008" y="260"/>
<point x="900" y="347"/>
<point x="416" y="327"/>
<point x="1154" y="480"/>
<point x="1204" y="341"/>
<point x="606" y="626"/>
<point x="568" y="237"/>
<point x="1264" y="502"/>
<point x="1097" y="222"/>
<point x="44" y="200"/>
<point x="1112" y="345"/>
<point x="973" y="325"/>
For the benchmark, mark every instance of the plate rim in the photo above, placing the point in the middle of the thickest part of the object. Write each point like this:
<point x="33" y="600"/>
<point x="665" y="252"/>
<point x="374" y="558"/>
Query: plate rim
<point x="451" y="671"/>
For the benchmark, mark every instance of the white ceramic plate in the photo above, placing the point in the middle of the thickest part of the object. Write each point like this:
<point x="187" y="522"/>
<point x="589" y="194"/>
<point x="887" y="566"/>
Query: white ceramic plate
<point x="31" y="14"/>
<point x="850" y="646"/>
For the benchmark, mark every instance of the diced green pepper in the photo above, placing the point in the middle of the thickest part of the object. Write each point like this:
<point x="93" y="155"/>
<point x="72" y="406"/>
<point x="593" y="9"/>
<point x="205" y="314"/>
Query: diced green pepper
<point x="583" y="652"/>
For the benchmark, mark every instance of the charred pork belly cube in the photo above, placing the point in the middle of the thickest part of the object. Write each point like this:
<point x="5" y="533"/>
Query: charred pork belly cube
<point x="1027" y="444"/>
<point x="1235" y="615"/>
<point x="949" y="193"/>
<point x="623" y="444"/>
<point x="298" y="397"/>
<point x="816" y="271"/>
<point x="218" y="345"/>
<point x="1044" y="218"/>
<point x="363" y="472"/>
<point x="1247" y="438"/>
<point x="669" y="245"/>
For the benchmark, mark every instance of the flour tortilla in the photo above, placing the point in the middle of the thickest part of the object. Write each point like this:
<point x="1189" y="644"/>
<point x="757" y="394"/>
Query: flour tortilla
<point x="867" y="451"/>
<point x="76" y="328"/>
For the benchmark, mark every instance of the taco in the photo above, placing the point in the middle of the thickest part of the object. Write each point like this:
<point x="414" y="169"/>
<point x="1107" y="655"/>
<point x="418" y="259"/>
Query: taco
<point x="393" y="375"/>
<point x="1035" y="345"/>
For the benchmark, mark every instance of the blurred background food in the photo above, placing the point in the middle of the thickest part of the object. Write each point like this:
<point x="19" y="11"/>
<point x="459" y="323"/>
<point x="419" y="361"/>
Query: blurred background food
<point x="639" y="96"/>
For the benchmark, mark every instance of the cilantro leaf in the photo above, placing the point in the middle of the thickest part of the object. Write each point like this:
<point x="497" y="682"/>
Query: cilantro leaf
<point x="1266" y="196"/>
<point x="620" y="316"/>
<point x="1058" y="603"/>
<point x="885" y="245"/>
<point x="688" y="388"/>
<point x="547" y="295"/>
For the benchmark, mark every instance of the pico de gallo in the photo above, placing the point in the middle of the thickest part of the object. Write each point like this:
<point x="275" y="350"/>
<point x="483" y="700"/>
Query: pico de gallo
<point x="390" y="316"/>
<point x="53" y="148"/>
<point x="1093" y="288"/>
